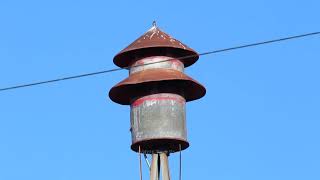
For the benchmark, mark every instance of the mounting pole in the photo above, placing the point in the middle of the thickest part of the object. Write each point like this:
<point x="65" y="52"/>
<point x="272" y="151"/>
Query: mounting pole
<point x="154" y="174"/>
<point x="164" y="166"/>
<point x="160" y="165"/>
<point x="140" y="163"/>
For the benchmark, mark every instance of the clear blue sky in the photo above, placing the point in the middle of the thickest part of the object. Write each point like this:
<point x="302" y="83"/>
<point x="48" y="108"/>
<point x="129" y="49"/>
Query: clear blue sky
<point x="260" y="119"/>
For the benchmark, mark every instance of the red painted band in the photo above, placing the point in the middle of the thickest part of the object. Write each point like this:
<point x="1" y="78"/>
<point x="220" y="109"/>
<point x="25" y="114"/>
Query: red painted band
<point x="143" y="99"/>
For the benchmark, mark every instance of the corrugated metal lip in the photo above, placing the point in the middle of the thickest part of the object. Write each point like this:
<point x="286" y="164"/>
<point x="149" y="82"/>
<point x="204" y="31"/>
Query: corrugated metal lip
<point x="154" y="81"/>
<point x="155" y="43"/>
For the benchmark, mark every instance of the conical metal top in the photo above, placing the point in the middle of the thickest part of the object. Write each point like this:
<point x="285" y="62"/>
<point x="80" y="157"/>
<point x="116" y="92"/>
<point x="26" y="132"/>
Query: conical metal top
<point x="152" y="43"/>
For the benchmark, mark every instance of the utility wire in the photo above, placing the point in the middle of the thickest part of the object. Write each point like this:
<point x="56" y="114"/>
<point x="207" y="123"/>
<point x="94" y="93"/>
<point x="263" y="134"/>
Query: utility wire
<point x="180" y="58"/>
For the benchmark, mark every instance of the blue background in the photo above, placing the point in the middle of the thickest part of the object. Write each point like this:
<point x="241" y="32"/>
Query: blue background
<point x="259" y="119"/>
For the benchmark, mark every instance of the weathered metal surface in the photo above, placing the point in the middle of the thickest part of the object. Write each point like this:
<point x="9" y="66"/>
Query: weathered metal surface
<point x="153" y="43"/>
<point x="157" y="118"/>
<point x="157" y="90"/>
<point x="155" y="62"/>
<point x="153" y="81"/>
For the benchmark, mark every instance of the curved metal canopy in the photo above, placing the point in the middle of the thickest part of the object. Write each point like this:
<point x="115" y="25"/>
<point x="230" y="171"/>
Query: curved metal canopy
<point x="156" y="81"/>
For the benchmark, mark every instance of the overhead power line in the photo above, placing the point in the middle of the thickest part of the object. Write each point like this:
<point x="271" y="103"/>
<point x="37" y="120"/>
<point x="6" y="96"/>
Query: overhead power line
<point x="184" y="57"/>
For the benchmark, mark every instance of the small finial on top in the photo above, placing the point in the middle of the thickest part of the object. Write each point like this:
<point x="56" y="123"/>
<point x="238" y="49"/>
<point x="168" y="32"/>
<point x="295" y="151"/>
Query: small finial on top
<point x="154" y="24"/>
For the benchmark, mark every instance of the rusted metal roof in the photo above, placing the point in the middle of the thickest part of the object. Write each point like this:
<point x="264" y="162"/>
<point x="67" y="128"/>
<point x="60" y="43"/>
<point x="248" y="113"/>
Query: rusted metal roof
<point x="155" y="42"/>
<point x="156" y="81"/>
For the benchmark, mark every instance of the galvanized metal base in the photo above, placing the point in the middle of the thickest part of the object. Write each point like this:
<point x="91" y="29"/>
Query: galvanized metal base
<point x="158" y="123"/>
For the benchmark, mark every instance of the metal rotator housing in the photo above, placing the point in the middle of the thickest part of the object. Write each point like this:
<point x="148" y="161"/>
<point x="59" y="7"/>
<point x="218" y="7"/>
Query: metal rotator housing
<point x="157" y="90"/>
